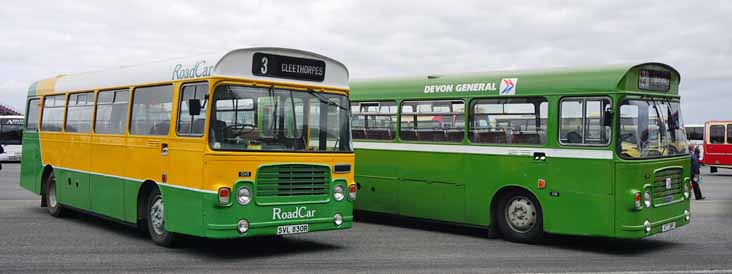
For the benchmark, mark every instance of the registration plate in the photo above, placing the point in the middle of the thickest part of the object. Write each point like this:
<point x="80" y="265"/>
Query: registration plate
<point x="292" y="229"/>
<point x="668" y="226"/>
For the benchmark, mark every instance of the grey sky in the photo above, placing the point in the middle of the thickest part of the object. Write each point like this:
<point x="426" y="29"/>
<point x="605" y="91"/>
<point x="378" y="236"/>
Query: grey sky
<point x="379" y="38"/>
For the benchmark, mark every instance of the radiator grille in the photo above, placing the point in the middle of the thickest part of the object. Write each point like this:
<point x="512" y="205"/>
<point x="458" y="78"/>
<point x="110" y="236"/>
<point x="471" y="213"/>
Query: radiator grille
<point x="664" y="191"/>
<point x="292" y="180"/>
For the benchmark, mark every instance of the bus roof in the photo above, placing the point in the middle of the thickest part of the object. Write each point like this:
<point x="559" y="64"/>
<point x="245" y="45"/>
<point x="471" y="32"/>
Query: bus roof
<point x="719" y="122"/>
<point x="655" y="78"/>
<point x="237" y="63"/>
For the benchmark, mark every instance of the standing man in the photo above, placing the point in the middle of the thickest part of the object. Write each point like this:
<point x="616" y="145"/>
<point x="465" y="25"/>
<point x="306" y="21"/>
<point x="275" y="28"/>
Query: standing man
<point x="695" y="173"/>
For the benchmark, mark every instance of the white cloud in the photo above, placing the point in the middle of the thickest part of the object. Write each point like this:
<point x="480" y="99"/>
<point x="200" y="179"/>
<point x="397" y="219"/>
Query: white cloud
<point x="378" y="38"/>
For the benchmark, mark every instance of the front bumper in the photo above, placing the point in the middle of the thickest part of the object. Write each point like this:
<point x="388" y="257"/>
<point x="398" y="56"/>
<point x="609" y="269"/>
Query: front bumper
<point x="221" y="222"/>
<point x="657" y="217"/>
<point x="639" y="230"/>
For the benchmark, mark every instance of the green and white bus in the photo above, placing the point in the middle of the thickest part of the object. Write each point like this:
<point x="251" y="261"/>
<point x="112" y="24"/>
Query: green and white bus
<point x="596" y="151"/>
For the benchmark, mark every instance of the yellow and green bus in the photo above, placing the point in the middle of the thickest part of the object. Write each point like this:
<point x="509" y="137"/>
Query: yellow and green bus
<point x="249" y="142"/>
<point x="586" y="151"/>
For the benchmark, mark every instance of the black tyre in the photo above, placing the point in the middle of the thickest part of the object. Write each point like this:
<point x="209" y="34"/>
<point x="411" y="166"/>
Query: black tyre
<point x="53" y="205"/>
<point x="519" y="217"/>
<point x="713" y="169"/>
<point x="155" y="220"/>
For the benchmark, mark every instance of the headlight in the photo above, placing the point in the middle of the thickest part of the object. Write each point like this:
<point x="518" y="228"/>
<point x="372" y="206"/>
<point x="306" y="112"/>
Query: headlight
<point x="647" y="226"/>
<point x="687" y="191"/>
<point x="637" y="199"/>
<point x="338" y="219"/>
<point x="687" y="215"/>
<point x="647" y="199"/>
<point x="244" y="195"/>
<point x="339" y="193"/>
<point x="242" y="226"/>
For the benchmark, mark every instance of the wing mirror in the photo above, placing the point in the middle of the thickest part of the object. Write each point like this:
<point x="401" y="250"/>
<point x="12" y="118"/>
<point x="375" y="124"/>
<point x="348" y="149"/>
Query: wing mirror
<point x="194" y="107"/>
<point x="607" y="119"/>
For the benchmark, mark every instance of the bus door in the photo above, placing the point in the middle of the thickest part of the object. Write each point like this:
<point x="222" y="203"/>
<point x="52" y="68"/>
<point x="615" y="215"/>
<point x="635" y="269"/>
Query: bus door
<point x="585" y="137"/>
<point x="718" y="144"/>
<point x="147" y="145"/>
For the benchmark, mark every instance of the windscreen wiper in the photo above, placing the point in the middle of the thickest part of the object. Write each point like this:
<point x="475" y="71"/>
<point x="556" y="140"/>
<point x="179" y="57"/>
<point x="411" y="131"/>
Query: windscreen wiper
<point x="325" y="100"/>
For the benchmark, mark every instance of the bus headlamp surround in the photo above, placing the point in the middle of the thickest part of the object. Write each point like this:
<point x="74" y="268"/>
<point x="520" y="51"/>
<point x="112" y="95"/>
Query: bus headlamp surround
<point x="244" y="195"/>
<point x="647" y="198"/>
<point x="687" y="190"/>
<point x="339" y="192"/>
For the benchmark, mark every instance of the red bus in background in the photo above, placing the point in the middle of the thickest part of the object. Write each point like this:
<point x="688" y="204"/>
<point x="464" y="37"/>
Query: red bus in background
<point x="717" y="145"/>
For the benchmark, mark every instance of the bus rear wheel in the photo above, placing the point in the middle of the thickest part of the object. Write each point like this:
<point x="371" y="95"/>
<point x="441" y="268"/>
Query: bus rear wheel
<point x="55" y="208"/>
<point x="519" y="217"/>
<point x="155" y="220"/>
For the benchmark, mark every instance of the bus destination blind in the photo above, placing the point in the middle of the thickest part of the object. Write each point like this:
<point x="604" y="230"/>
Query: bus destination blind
<point x="280" y="66"/>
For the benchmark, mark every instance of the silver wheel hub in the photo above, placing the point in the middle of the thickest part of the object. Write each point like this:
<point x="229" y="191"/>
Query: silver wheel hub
<point x="156" y="216"/>
<point x="521" y="214"/>
<point x="52" y="194"/>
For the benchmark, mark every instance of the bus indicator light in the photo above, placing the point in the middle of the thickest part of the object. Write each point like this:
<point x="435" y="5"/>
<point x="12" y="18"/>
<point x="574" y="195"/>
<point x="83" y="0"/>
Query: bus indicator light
<point x="352" y="192"/>
<point x="541" y="184"/>
<point x="224" y="194"/>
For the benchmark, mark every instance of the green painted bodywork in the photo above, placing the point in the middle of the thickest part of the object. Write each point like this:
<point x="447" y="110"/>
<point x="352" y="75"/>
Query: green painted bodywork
<point x="187" y="211"/>
<point x="31" y="167"/>
<point x="591" y="197"/>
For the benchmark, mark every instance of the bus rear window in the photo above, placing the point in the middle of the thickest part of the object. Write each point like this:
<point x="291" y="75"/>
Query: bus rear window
<point x="716" y="134"/>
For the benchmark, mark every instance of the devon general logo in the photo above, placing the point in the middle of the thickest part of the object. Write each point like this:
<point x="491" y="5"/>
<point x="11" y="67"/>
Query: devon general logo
<point x="508" y="86"/>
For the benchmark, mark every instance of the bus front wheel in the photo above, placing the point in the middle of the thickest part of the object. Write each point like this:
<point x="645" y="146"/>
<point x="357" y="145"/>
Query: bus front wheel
<point x="54" y="207"/>
<point x="519" y="217"/>
<point x="712" y="169"/>
<point x="155" y="220"/>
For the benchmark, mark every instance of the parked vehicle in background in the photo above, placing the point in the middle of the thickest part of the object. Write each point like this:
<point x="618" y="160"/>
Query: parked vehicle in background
<point x="695" y="135"/>
<point x="11" y="134"/>
<point x="718" y="145"/>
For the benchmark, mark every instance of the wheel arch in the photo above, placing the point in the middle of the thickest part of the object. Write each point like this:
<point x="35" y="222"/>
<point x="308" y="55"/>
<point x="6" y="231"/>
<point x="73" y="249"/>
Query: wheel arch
<point x="47" y="170"/>
<point x="502" y="192"/>
<point x="143" y="192"/>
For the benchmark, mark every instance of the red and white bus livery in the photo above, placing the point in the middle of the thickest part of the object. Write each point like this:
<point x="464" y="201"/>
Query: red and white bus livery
<point x="717" y="145"/>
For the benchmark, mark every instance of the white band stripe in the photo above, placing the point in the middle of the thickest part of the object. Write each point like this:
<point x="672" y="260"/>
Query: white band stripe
<point x="489" y="150"/>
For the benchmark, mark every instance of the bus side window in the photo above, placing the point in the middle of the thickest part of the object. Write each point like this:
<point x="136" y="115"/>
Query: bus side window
<point x="441" y="121"/>
<point x="716" y="134"/>
<point x="53" y="112"/>
<point x="581" y="121"/>
<point x="31" y="117"/>
<point x="192" y="125"/>
<point x="374" y="120"/>
<point x="79" y="112"/>
<point x="111" y="112"/>
<point x="729" y="133"/>
<point x="508" y="121"/>
<point x="151" y="107"/>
